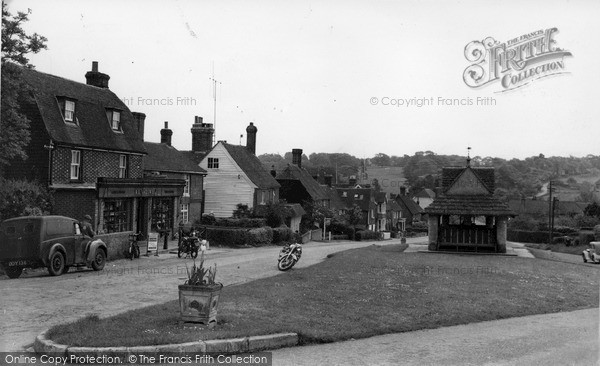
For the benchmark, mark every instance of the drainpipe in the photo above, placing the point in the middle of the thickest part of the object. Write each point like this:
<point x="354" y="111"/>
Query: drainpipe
<point x="49" y="147"/>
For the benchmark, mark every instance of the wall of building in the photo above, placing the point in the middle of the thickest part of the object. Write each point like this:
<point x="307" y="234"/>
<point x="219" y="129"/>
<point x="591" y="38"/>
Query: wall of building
<point x="226" y="186"/>
<point x="94" y="164"/>
<point x="76" y="204"/>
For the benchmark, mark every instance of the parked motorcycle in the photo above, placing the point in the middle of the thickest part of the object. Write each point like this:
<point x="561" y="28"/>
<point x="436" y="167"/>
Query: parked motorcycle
<point x="190" y="245"/>
<point x="289" y="256"/>
<point x="593" y="253"/>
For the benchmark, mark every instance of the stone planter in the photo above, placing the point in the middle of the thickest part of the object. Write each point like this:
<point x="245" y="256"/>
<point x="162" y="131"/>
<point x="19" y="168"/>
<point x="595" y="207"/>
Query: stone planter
<point x="198" y="304"/>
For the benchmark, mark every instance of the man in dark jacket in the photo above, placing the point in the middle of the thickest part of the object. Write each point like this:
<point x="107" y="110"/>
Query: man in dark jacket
<point x="86" y="226"/>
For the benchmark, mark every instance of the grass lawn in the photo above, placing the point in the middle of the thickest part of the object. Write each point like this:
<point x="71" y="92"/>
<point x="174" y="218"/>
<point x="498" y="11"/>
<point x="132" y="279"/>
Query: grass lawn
<point x="360" y="293"/>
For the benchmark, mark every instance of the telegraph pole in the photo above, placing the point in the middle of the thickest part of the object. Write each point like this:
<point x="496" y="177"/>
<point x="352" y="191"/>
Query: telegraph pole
<point x="550" y="212"/>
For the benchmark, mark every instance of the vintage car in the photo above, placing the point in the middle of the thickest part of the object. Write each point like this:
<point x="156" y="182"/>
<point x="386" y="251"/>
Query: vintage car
<point x="55" y="242"/>
<point x="592" y="254"/>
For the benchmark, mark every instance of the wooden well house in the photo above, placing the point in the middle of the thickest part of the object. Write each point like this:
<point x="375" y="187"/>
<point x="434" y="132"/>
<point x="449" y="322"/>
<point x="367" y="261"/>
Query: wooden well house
<point x="466" y="216"/>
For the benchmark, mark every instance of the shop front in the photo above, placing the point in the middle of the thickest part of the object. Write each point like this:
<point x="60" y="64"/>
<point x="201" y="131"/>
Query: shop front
<point x="139" y="205"/>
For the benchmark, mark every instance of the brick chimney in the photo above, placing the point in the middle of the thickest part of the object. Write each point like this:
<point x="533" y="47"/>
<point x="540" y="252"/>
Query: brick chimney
<point x="96" y="78"/>
<point x="165" y="134"/>
<point x="297" y="157"/>
<point x="251" y="138"/>
<point x="139" y="120"/>
<point x="202" y="136"/>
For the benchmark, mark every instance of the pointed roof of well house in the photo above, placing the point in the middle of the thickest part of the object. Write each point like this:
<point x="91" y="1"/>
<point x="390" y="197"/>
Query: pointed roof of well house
<point x="166" y="158"/>
<point x="250" y="164"/>
<point x="468" y="191"/>
<point x="91" y="127"/>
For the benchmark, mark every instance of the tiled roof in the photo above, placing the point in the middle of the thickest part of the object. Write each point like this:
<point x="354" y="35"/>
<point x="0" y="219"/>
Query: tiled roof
<point x="92" y="128"/>
<point x="362" y="197"/>
<point x="393" y="206"/>
<point x="410" y="205"/>
<point x="485" y="174"/>
<point x="253" y="168"/>
<point x="165" y="158"/>
<point x="469" y="205"/>
<point x="293" y="210"/>
<point x="314" y="189"/>
<point x="335" y="202"/>
<point x="380" y="197"/>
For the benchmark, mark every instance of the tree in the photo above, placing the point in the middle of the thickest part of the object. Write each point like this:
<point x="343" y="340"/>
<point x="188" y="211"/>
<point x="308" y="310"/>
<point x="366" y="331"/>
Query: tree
<point x="16" y="45"/>
<point x="381" y="159"/>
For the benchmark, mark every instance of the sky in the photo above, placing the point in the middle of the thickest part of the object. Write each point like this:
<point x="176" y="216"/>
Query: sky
<point x="357" y="77"/>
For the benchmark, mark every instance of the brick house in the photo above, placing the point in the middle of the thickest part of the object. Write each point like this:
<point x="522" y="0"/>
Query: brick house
<point x="298" y="186"/>
<point x="88" y="148"/>
<point x="163" y="160"/>
<point x="365" y="199"/>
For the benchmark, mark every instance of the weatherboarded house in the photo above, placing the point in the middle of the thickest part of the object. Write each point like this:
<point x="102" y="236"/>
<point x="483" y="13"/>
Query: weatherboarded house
<point x="236" y="176"/>
<point x="466" y="216"/>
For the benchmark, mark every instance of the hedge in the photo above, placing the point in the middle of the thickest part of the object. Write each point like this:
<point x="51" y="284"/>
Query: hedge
<point x="524" y="236"/>
<point x="366" y="235"/>
<point x="243" y="222"/>
<point x="260" y="236"/>
<point x="585" y="237"/>
<point x="229" y="237"/>
<point x="282" y="234"/>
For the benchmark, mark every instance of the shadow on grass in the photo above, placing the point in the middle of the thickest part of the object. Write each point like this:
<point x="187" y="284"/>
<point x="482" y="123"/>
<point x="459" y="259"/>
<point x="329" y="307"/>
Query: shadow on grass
<point x="360" y="293"/>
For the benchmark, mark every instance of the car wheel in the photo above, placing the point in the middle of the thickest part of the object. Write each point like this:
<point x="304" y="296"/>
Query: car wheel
<point x="99" y="260"/>
<point x="57" y="264"/>
<point x="14" y="272"/>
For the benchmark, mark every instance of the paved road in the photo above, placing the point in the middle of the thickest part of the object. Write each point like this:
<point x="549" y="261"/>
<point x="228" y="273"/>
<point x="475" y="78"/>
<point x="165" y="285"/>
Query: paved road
<point x="553" y="339"/>
<point x="37" y="301"/>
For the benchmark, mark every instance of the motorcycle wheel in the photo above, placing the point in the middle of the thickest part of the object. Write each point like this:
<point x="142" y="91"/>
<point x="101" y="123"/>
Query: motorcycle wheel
<point x="286" y="263"/>
<point x="179" y="252"/>
<point x="136" y="252"/>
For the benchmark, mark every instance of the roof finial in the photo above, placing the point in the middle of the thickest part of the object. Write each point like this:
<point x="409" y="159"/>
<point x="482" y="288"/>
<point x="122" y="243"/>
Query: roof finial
<point x="469" y="156"/>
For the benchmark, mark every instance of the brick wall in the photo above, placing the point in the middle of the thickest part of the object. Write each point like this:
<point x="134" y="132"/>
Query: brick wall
<point x="94" y="164"/>
<point x="117" y="244"/>
<point x="75" y="203"/>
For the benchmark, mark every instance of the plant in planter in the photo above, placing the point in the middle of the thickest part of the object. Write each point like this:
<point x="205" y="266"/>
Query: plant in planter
<point x="199" y="295"/>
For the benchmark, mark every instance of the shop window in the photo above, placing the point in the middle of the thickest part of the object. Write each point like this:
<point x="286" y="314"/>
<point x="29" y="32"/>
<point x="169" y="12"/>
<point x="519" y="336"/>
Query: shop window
<point x="117" y="215"/>
<point x="162" y="214"/>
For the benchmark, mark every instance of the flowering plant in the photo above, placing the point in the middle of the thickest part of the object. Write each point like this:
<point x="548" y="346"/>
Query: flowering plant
<point x="200" y="275"/>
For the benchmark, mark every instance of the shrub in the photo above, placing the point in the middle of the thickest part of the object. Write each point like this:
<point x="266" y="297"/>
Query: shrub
<point x="586" y="236"/>
<point x="23" y="198"/>
<point x="231" y="237"/>
<point x="597" y="232"/>
<point x="207" y="219"/>
<point x="366" y="235"/>
<point x="565" y="230"/>
<point x="240" y="222"/>
<point x="282" y="234"/>
<point x="260" y="236"/>
<point x="524" y="236"/>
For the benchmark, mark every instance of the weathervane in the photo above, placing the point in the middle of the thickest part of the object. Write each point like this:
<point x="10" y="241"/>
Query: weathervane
<point x="468" y="156"/>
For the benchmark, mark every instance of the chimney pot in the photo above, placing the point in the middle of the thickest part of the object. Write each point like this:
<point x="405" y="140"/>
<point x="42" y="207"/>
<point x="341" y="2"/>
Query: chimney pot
<point x="202" y="135"/>
<point x="251" y="138"/>
<point x="96" y="78"/>
<point x="297" y="157"/>
<point x="165" y="134"/>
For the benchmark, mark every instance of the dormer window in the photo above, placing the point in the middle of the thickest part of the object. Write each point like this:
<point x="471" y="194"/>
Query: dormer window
<point x="114" y="118"/>
<point x="67" y="109"/>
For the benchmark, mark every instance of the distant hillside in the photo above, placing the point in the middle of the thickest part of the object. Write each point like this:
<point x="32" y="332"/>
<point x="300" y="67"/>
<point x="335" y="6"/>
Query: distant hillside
<point x="390" y="178"/>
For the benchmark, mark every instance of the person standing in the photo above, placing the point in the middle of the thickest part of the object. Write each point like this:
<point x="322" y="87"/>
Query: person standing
<point x="86" y="226"/>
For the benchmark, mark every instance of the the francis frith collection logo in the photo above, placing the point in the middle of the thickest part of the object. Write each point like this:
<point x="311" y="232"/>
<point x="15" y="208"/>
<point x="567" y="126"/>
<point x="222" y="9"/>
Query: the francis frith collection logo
<point x="515" y="62"/>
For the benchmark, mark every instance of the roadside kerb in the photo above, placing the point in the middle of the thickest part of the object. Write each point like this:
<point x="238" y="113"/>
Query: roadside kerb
<point x="225" y="346"/>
